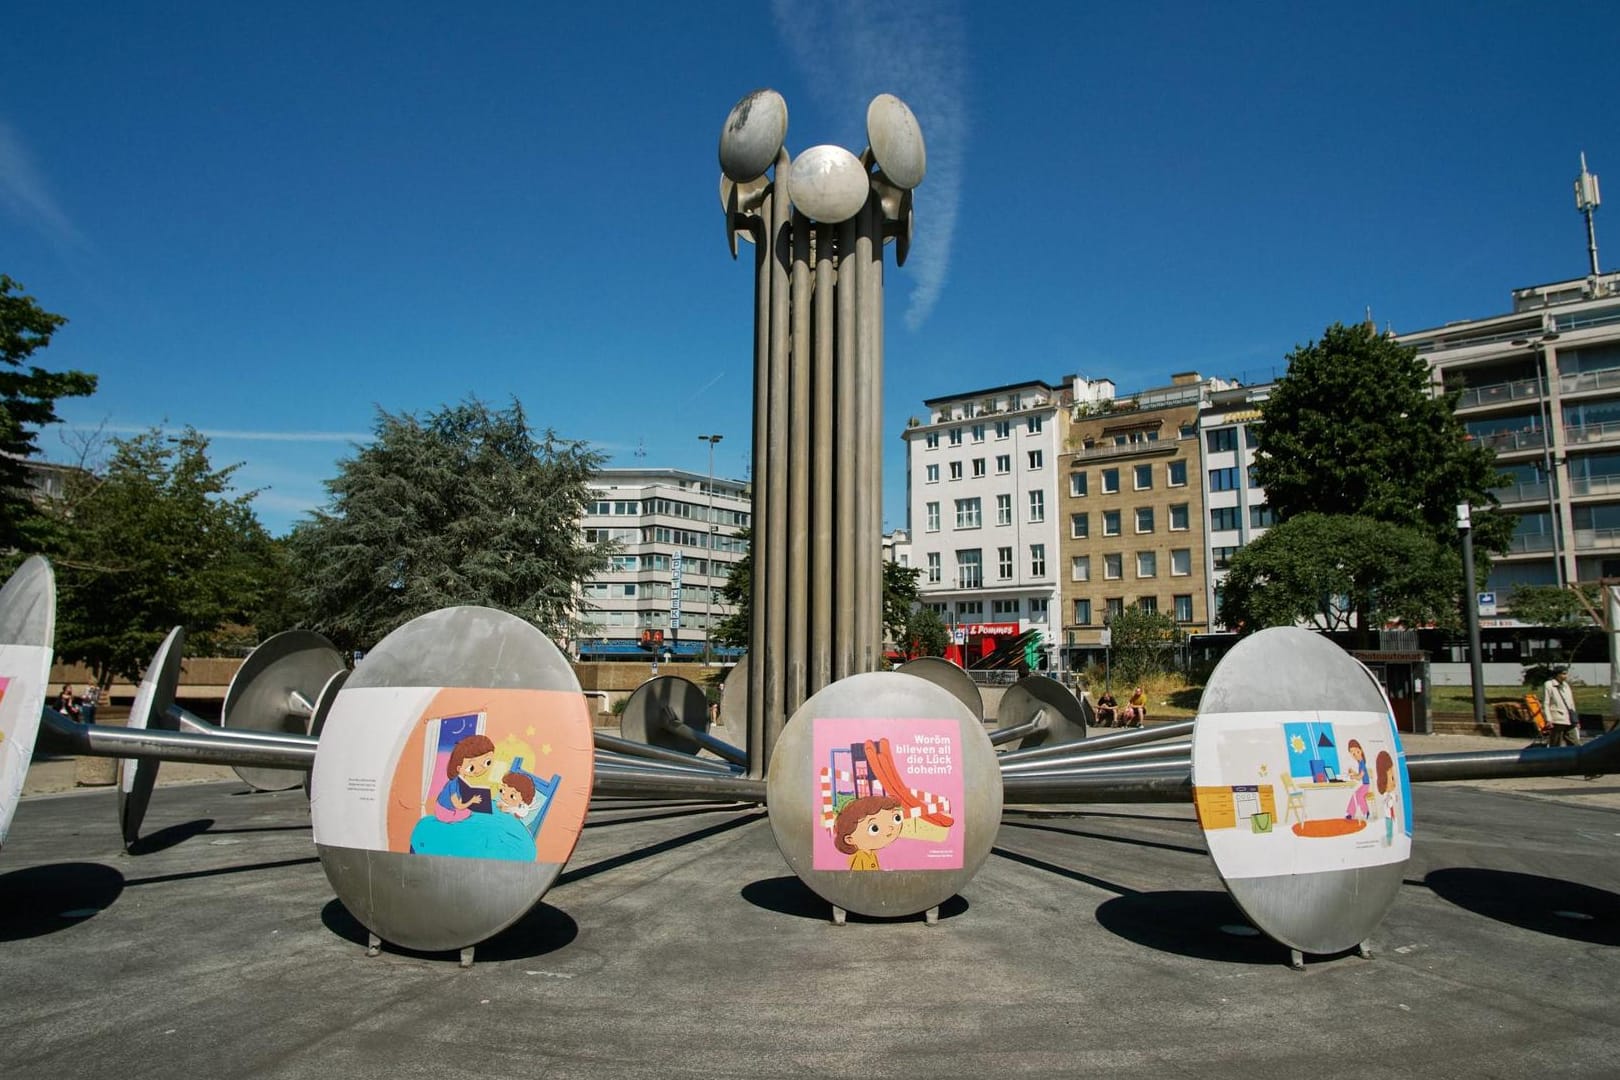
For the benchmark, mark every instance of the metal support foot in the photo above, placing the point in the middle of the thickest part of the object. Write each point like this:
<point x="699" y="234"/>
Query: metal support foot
<point x="1364" y="950"/>
<point x="467" y="957"/>
<point x="1296" y="959"/>
<point x="373" y="944"/>
<point x="839" y="915"/>
<point x="931" y="916"/>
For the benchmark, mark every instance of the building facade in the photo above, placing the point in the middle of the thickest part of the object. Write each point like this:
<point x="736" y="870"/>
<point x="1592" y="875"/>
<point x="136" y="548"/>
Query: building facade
<point x="1236" y="508"/>
<point x="982" y="519"/>
<point x="677" y="541"/>
<point x="1541" y="385"/>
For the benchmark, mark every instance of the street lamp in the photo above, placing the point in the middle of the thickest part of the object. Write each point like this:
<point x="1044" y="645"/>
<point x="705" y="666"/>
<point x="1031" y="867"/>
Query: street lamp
<point x="714" y="531"/>
<point x="1471" y="608"/>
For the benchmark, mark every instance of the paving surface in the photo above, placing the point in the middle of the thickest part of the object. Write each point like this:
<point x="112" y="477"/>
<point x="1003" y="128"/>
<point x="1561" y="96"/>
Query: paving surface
<point x="1091" y="943"/>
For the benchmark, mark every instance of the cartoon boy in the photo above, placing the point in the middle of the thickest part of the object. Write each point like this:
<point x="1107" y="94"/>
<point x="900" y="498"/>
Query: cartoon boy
<point x="470" y="760"/>
<point x="515" y="795"/>
<point x="866" y="826"/>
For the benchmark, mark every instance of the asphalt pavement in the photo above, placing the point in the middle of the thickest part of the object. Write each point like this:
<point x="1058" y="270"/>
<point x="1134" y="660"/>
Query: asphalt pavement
<point x="1095" y="941"/>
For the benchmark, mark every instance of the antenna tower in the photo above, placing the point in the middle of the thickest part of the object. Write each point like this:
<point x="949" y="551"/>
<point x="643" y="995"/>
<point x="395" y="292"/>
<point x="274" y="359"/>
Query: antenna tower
<point x="1586" y="201"/>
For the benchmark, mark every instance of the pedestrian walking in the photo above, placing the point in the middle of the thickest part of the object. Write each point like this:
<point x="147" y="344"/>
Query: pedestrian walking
<point x="1558" y="701"/>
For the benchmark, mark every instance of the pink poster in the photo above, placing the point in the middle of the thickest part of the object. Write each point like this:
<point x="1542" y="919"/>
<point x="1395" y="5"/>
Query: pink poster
<point x="888" y="794"/>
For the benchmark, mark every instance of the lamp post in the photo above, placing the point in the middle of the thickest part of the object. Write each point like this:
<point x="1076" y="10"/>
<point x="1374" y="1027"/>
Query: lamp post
<point x="1471" y="605"/>
<point x="714" y="532"/>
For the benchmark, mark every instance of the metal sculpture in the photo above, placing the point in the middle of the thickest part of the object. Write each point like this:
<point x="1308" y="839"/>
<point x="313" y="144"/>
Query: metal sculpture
<point x="818" y="223"/>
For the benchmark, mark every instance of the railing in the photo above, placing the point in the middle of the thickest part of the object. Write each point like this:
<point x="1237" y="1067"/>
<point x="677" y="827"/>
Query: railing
<point x="1597" y="539"/>
<point x="1591" y="433"/>
<point x="1499" y="393"/>
<point x="1530" y="542"/>
<point x="1506" y="442"/>
<point x="1109" y="450"/>
<point x="1589" y="380"/>
<point x="1518" y="493"/>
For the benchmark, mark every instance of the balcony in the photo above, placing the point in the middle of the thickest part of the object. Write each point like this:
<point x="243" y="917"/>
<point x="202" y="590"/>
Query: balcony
<point x="1509" y="442"/>
<point x="1521" y="493"/>
<point x="1499" y="394"/>
<point x="1586" y="434"/>
<point x="1116" y="450"/>
<point x="1530" y="544"/>
<point x="1597" y="539"/>
<point x="1594" y="485"/>
<point x="1590" y="380"/>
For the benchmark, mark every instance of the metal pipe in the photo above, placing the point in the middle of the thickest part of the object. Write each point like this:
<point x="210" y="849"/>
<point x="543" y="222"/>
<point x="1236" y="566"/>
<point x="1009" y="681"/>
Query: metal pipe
<point x="1095" y="743"/>
<point x="632" y="748"/>
<point x="759" y="504"/>
<point x="680" y="730"/>
<point x="821" y="466"/>
<point x="98" y="740"/>
<point x="800" y="520"/>
<point x="775" y="562"/>
<point x="615" y="784"/>
<point x="1594" y="758"/>
<point x="845" y="480"/>
<point x="196" y="725"/>
<point x="1176" y="766"/>
<point x="1169" y="788"/>
<point x="1018" y="731"/>
<point x="865" y="528"/>
<point x="608" y="757"/>
<point x="1165" y="751"/>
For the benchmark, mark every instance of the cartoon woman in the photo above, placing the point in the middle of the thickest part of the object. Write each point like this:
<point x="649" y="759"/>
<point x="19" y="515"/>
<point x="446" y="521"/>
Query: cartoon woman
<point x="1389" y="794"/>
<point x="1357" y="807"/>
<point x="866" y="826"/>
<point x="470" y="760"/>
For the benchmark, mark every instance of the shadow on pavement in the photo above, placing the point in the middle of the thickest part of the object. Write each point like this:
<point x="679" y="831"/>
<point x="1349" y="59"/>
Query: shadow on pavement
<point x="543" y="930"/>
<point x="44" y="899"/>
<point x="169" y="836"/>
<point x="790" y="896"/>
<point x="1565" y="909"/>
<point x="1188" y="924"/>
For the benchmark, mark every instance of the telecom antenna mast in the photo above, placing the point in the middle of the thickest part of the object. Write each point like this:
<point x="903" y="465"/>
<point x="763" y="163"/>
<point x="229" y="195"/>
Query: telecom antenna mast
<point x="1586" y="201"/>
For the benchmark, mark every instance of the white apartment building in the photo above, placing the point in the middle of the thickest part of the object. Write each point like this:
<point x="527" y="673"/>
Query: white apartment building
<point x="982" y="515"/>
<point x="1236" y="512"/>
<point x="677" y="541"/>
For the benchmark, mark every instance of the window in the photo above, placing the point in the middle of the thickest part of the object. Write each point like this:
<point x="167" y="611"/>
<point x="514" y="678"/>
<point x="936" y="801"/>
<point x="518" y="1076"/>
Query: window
<point x="1254" y="483"/>
<point x="1223" y="556"/>
<point x="1034" y="459"/>
<point x="956" y="470"/>
<point x="1180" y="562"/>
<point x="1110" y="522"/>
<point x="1037" y="506"/>
<point x="1251" y="437"/>
<point x="968" y="514"/>
<point x="933" y="568"/>
<point x="1037" y="560"/>
<point x="1116" y="607"/>
<point x="1149" y="604"/>
<point x="1003" y="429"/>
<point x="1003" y="464"/>
<point x="1175" y="474"/>
<point x="969" y="569"/>
<point x="1079" y="526"/>
<point x="931" y="473"/>
<point x="1178" y="518"/>
<point x="1224" y="517"/>
<point x="956" y="436"/>
<point x="933" y="517"/>
<point x="1077" y="485"/>
<point x="1147" y="564"/>
<point x="1037" y="608"/>
<point x="1261" y="517"/>
<point x="1003" y="509"/>
<point x="1113" y="566"/>
<point x="1110" y="481"/>
<point x="1183" y="608"/>
<point x="1223" y="479"/>
<point x="1006" y="609"/>
<point x="1221" y="439"/>
<point x="931" y="440"/>
<point x="1080" y="568"/>
<point x="978" y="467"/>
<point x="1033" y="425"/>
<point x="1082" y="612"/>
<point x="1004" y="565"/>
<point x="977" y="432"/>
<point x="1143" y="477"/>
<point x="1144" y="519"/>
<point x="970" y="609"/>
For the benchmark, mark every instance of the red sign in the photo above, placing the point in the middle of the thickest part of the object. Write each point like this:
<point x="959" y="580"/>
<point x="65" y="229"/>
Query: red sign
<point x="993" y="629"/>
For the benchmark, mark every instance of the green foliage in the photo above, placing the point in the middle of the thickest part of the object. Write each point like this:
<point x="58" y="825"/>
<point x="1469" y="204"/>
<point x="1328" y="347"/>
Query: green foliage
<point x="1143" y="644"/>
<point x="159" y="540"/>
<point x="1559" y="608"/>
<point x="461" y="506"/>
<point x="1353" y="429"/>
<point x="1324" y="568"/>
<point x="899" y="597"/>
<point x="923" y="634"/>
<point x="28" y="396"/>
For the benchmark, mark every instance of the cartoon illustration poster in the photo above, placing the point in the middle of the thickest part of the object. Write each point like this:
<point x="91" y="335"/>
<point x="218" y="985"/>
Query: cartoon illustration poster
<point x="1285" y="794"/>
<point x="888" y="794"/>
<point x="22" y="696"/>
<point x="481" y="774"/>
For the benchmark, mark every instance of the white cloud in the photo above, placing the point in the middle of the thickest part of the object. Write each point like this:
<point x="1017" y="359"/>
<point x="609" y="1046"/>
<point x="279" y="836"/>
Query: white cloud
<point x="850" y="51"/>
<point x="24" y="194"/>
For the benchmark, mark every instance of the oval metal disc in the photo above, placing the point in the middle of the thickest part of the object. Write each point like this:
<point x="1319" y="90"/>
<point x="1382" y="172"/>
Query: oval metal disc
<point x="1301" y="788"/>
<point x="452" y="778"/>
<point x="946" y="675"/>
<point x="734" y="701"/>
<point x="884" y="794"/>
<point x="896" y="141"/>
<point x="137" y="776"/>
<point x="643" y="717"/>
<point x="260" y="697"/>
<point x="323" y="706"/>
<point x="1066" y="715"/>
<point x="27" y="636"/>
<point x="829" y="184"/>
<point x="753" y="135"/>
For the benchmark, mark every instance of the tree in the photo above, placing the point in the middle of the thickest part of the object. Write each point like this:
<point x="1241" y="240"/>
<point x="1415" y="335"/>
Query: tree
<point x="28" y="397"/>
<point x="157" y="540"/>
<point x="1325" y="568"/>
<point x="1567" y="609"/>
<point x="1142" y="644"/>
<point x="899" y="597"/>
<point x="1354" y="429"/>
<point x="924" y="634"/>
<point x="462" y="506"/>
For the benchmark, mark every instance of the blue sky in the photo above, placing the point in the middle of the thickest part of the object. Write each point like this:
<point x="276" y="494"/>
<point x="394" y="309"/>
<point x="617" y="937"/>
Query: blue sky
<point x="269" y="221"/>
